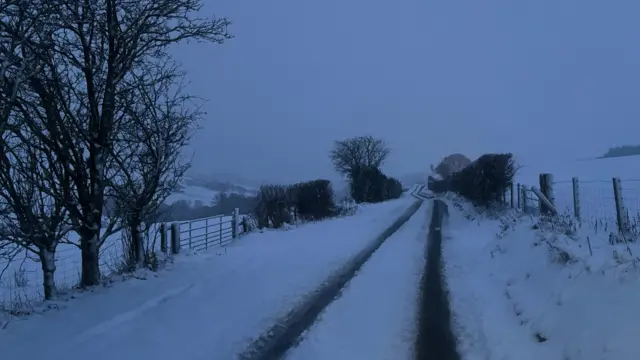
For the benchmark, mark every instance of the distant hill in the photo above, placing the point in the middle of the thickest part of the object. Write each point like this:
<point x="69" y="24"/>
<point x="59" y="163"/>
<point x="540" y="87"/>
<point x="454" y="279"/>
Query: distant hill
<point x="225" y="177"/>
<point x="620" y="151"/>
<point x="411" y="179"/>
<point x="220" y="185"/>
<point x="201" y="191"/>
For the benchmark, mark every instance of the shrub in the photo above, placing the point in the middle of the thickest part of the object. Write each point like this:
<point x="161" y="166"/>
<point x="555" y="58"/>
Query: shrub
<point x="314" y="200"/>
<point x="273" y="206"/>
<point x="393" y="188"/>
<point x="362" y="184"/>
<point x="306" y="201"/>
<point x="483" y="182"/>
<point x="370" y="184"/>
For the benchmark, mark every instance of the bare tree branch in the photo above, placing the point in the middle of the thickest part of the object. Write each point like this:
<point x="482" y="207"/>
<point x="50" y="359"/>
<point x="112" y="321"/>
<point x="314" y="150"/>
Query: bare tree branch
<point x="149" y="148"/>
<point x="30" y="218"/>
<point x="77" y="102"/>
<point x="361" y="151"/>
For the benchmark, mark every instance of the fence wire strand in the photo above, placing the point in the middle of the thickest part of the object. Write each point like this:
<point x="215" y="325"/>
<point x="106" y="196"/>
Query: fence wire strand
<point x="596" y="205"/>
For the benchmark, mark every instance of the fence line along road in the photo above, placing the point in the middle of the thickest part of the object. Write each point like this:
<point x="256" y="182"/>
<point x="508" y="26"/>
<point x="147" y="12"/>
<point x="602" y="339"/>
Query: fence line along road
<point x="214" y="231"/>
<point x="21" y="277"/>
<point x="595" y="203"/>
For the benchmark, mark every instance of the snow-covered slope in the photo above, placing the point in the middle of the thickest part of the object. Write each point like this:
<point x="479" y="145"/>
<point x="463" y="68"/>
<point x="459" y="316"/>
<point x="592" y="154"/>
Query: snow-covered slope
<point x="527" y="290"/>
<point x="193" y="195"/>
<point x="199" y="193"/>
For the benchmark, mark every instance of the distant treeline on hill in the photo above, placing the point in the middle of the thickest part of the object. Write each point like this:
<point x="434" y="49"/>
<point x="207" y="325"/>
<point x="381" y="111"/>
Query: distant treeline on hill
<point x="619" y="151"/>
<point x="224" y="203"/>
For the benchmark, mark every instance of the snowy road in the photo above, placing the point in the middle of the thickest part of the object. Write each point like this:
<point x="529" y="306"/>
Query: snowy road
<point x="209" y="306"/>
<point x="375" y="318"/>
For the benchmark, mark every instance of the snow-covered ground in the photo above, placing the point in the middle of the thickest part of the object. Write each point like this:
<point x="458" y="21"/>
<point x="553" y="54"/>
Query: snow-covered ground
<point x="375" y="317"/>
<point x="21" y="279"/>
<point x="521" y="289"/>
<point x="193" y="195"/>
<point x="207" y="306"/>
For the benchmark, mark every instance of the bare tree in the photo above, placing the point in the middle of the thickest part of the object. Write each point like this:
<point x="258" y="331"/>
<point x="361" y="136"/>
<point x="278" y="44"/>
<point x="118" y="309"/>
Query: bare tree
<point x="451" y="164"/>
<point x="31" y="218"/>
<point x="360" y="151"/>
<point x="149" y="149"/>
<point x="83" y="89"/>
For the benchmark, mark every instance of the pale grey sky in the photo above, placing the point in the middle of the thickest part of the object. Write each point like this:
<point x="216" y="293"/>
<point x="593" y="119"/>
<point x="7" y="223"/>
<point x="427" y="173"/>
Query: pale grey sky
<point x="537" y="78"/>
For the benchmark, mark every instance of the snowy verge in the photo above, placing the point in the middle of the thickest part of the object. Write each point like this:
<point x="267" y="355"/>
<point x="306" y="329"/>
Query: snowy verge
<point x="522" y="288"/>
<point x="208" y="306"/>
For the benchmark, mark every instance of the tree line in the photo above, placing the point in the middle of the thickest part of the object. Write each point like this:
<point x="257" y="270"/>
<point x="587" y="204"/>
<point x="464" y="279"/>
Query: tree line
<point x="620" y="151"/>
<point x="484" y="182"/>
<point x="358" y="159"/>
<point x="93" y="110"/>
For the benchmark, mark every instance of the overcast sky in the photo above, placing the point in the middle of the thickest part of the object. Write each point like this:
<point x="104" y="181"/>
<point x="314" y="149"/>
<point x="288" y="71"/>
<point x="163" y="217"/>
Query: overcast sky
<point x="542" y="79"/>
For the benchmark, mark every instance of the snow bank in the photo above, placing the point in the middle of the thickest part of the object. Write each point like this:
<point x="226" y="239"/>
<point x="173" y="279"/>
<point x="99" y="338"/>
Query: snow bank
<point x="522" y="289"/>
<point x="209" y="306"/>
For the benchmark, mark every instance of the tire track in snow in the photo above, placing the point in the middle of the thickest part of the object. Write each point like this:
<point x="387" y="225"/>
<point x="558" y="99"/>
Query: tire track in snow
<point x="435" y="340"/>
<point x="277" y="340"/>
<point x="375" y="316"/>
<point x="129" y="316"/>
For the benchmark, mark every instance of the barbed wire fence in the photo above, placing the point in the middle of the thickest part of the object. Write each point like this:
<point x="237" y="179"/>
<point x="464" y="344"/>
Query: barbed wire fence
<point x="604" y="207"/>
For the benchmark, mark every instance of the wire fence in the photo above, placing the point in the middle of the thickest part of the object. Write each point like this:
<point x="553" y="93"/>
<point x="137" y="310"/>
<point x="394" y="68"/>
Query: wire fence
<point x="593" y="222"/>
<point x="21" y="275"/>
<point x="604" y="206"/>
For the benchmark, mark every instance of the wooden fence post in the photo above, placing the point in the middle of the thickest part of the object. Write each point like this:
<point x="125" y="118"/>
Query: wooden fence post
<point x="550" y="190"/>
<point x="576" y="198"/>
<point x="542" y="181"/>
<point x="163" y="238"/>
<point x="519" y="197"/>
<point x="620" y="213"/>
<point x="513" y="197"/>
<point x="220" y="229"/>
<point x="175" y="238"/>
<point x="546" y="187"/>
<point x="235" y="222"/>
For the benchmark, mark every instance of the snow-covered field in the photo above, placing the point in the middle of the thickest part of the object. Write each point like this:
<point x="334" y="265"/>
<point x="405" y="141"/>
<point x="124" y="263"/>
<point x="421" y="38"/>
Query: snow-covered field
<point x="524" y="290"/>
<point x="597" y="204"/>
<point x="375" y="317"/>
<point x="207" y="306"/>
<point x="193" y="195"/>
<point x="21" y="279"/>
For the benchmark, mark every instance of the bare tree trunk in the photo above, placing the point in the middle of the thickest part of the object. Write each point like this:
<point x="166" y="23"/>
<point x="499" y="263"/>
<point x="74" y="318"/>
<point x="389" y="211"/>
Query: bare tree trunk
<point x="47" y="256"/>
<point x="136" y="240"/>
<point x="90" y="259"/>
